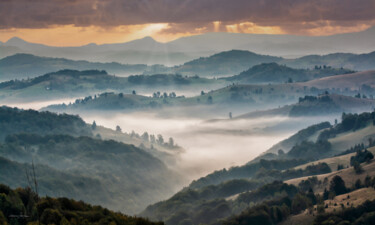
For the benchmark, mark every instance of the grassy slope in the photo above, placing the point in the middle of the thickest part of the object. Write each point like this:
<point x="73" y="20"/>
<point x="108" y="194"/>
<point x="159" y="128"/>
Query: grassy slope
<point x="348" y="175"/>
<point x="343" y="103"/>
<point x="352" y="81"/>
<point x="333" y="162"/>
<point x="357" y="197"/>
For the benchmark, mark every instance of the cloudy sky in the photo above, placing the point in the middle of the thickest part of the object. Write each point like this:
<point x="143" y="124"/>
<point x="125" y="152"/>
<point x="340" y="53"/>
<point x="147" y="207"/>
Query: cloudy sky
<point x="77" y="22"/>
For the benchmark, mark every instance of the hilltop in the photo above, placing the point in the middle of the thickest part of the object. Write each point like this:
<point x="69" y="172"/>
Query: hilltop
<point x="73" y="83"/>
<point x="224" y="63"/>
<point x="20" y="66"/>
<point x="275" y="73"/>
<point x="325" y="104"/>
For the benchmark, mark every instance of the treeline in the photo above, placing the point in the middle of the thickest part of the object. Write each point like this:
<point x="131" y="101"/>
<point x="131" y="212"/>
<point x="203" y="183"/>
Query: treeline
<point x="13" y="120"/>
<point x="24" y="206"/>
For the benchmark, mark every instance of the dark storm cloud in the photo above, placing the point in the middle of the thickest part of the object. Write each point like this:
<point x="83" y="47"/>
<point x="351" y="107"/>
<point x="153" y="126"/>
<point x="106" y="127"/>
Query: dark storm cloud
<point x="107" y="13"/>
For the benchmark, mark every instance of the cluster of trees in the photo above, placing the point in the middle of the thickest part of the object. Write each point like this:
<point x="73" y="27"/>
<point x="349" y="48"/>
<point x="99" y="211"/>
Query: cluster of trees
<point x="361" y="156"/>
<point x="310" y="150"/>
<point x="24" y="206"/>
<point x="308" y="98"/>
<point x="155" y="139"/>
<point x="349" y="122"/>
<point x="310" y="105"/>
<point x="363" y="214"/>
<point x="164" y="95"/>
<point x="161" y="79"/>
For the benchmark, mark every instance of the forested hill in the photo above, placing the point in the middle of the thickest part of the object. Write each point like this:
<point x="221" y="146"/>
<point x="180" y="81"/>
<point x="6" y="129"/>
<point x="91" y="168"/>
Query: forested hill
<point x="225" y="63"/>
<point x="275" y="73"/>
<point x="70" y="162"/>
<point x="13" y="121"/>
<point x="20" y="66"/>
<point x="47" y="210"/>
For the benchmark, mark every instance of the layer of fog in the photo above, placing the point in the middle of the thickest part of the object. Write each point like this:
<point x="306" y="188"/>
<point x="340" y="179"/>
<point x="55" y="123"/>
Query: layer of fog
<point x="36" y="105"/>
<point x="209" y="145"/>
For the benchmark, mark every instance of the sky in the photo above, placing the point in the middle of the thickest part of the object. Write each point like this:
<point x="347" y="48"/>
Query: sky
<point x="79" y="22"/>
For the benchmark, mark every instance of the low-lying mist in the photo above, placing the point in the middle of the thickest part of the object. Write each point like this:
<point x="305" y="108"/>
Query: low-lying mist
<point x="209" y="144"/>
<point x="211" y="141"/>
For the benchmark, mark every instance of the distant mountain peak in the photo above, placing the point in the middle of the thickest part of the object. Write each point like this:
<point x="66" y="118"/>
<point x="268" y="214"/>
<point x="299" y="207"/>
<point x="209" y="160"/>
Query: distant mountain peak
<point x="15" y="40"/>
<point x="148" y="38"/>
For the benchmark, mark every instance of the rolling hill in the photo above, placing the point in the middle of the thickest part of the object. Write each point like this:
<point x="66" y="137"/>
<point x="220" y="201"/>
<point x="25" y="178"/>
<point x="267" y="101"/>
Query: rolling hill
<point x="354" y="81"/>
<point x="71" y="162"/>
<point x="326" y="104"/>
<point x="149" y="51"/>
<point x="73" y="83"/>
<point x="275" y="73"/>
<point x="22" y="66"/>
<point x="224" y="63"/>
<point x="237" y="61"/>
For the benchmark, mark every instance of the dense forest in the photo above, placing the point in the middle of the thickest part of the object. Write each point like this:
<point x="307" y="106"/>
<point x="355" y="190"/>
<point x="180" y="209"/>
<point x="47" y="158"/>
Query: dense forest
<point x="24" y="206"/>
<point x="71" y="162"/>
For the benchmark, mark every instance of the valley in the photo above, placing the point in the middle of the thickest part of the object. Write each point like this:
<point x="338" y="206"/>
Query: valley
<point x="148" y="113"/>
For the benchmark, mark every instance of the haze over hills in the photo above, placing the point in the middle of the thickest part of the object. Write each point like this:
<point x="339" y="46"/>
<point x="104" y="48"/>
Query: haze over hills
<point x="73" y="83"/>
<point x="221" y="64"/>
<point x="149" y="51"/>
<point x="28" y="66"/>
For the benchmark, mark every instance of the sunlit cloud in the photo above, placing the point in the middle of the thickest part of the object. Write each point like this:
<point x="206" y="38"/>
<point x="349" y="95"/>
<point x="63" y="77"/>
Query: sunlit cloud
<point x="70" y="35"/>
<point x="166" y="20"/>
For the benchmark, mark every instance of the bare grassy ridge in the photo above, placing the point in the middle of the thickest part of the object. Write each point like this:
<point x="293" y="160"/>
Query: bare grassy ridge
<point x="333" y="162"/>
<point x="351" y="81"/>
<point x="356" y="198"/>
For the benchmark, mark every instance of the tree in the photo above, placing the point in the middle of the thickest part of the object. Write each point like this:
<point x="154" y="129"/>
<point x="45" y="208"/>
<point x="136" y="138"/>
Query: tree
<point x="152" y="138"/>
<point x="145" y="136"/>
<point x="160" y="139"/>
<point x="300" y="203"/>
<point x="209" y="99"/>
<point x="133" y="92"/>
<point x="93" y="126"/>
<point x="118" y="129"/>
<point x="230" y="115"/>
<point x="358" y="168"/>
<point x="340" y="167"/>
<point x="202" y="93"/>
<point x="337" y="185"/>
<point x="171" y="142"/>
